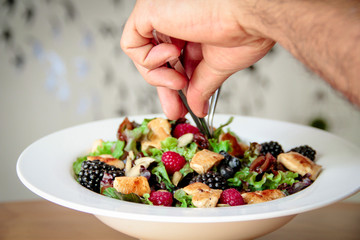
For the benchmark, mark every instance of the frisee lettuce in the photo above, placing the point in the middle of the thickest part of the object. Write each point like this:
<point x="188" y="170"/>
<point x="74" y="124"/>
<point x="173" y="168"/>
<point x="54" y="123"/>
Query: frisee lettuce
<point x="145" y="199"/>
<point x="134" y="135"/>
<point x="77" y="164"/>
<point x="267" y="181"/>
<point x="217" y="146"/>
<point x="113" y="148"/>
<point x="185" y="200"/>
<point x="219" y="130"/>
<point x="171" y="144"/>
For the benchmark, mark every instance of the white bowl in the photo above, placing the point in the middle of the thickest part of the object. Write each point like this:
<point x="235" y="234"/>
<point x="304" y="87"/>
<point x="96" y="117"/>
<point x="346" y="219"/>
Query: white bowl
<point x="45" y="167"/>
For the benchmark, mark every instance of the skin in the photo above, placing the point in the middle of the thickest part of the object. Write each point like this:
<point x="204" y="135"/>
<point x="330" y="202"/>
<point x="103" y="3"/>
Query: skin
<point x="219" y="38"/>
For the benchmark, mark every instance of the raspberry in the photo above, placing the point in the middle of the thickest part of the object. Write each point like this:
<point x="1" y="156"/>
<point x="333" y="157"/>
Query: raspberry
<point x="173" y="161"/>
<point x="232" y="197"/>
<point x="161" y="198"/>
<point x="184" y="128"/>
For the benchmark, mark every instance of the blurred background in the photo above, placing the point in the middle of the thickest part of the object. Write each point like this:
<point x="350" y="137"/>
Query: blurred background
<point x="61" y="65"/>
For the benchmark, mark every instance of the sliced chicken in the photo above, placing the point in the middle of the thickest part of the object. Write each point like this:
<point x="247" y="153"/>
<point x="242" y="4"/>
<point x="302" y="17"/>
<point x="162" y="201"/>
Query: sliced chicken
<point x="262" y="196"/>
<point x="204" y="160"/>
<point x="298" y="163"/>
<point x="202" y="195"/>
<point x="108" y="159"/>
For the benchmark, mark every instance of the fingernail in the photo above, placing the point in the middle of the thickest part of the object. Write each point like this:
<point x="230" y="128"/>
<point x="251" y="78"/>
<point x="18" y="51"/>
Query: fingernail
<point x="206" y="108"/>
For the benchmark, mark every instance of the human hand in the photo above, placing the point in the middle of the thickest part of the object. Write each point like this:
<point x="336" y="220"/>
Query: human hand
<point x="214" y="42"/>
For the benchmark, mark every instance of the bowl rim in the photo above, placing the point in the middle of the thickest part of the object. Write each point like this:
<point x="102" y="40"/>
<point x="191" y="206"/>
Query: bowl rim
<point x="87" y="201"/>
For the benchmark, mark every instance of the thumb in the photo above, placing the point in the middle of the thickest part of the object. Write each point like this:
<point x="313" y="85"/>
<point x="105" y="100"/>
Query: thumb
<point x="204" y="82"/>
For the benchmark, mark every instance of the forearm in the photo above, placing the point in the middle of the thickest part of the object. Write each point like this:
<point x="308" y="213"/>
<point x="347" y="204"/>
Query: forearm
<point x="324" y="35"/>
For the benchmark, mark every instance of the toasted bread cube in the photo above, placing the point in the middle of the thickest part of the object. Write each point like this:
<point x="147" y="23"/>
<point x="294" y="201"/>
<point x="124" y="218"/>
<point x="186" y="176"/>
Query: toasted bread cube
<point x="262" y="196"/>
<point x="160" y="129"/>
<point x="137" y="185"/>
<point x="298" y="163"/>
<point x="204" y="160"/>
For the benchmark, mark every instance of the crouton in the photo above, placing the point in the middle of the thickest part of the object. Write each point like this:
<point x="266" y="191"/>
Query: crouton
<point x="160" y="129"/>
<point x="137" y="185"/>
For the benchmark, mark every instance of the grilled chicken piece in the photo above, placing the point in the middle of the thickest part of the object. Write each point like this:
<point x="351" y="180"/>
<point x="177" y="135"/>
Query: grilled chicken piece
<point x="160" y="129"/>
<point x="202" y="195"/>
<point x="205" y="160"/>
<point x="137" y="185"/>
<point x="262" y="196"/>
<point x="298" y="163"/>
<point x="108" y="159"/>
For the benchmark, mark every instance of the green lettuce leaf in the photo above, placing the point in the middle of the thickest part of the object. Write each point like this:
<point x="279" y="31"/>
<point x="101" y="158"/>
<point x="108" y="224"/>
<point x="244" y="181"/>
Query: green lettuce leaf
<point x="184" y="199"/>
<point x="133" y="136"/>
<point x="268" y="180"/>
<point x="170" y="144"/>
<point x="219" y="130"/>
<point x="145" y="199"/>
<point x="252" y="153"/>
<point x="114" y="148"/>
<point x="119" y="149"/>
<point x="219" y="146"/>
<point x="190" y="151"/>
<point x="154" y="153"/>
<point x="77" y="164"/>
<point x="131" y="197"/>
<point x="162" y="176"/>
<point x="104" y="148"/>
<point x="186" y="169"/>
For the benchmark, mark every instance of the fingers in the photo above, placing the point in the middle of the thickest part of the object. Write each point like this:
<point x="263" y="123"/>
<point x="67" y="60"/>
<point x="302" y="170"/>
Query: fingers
<point x="204" y="82"/>
<point x="163" y="77"/>
<point x="218" y="64"/>
<point x="171" y="103"/>
<point x="192" y="57"/>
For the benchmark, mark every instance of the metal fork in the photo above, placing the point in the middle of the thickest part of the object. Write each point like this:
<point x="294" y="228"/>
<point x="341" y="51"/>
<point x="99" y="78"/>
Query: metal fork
<point x="204" y="127"/>
<point x="212" y="106"/>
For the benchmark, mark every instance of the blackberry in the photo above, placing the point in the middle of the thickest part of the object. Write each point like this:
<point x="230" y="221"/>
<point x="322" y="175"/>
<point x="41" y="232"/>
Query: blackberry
<point x="213" y="179"/>
<point x="272" y="147"/>
<point x="92" y="173"/>
<point x="306" y="151"/>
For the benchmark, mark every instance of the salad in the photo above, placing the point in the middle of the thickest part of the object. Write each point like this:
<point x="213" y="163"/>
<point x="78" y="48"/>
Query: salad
<point x="170" y="163"/>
